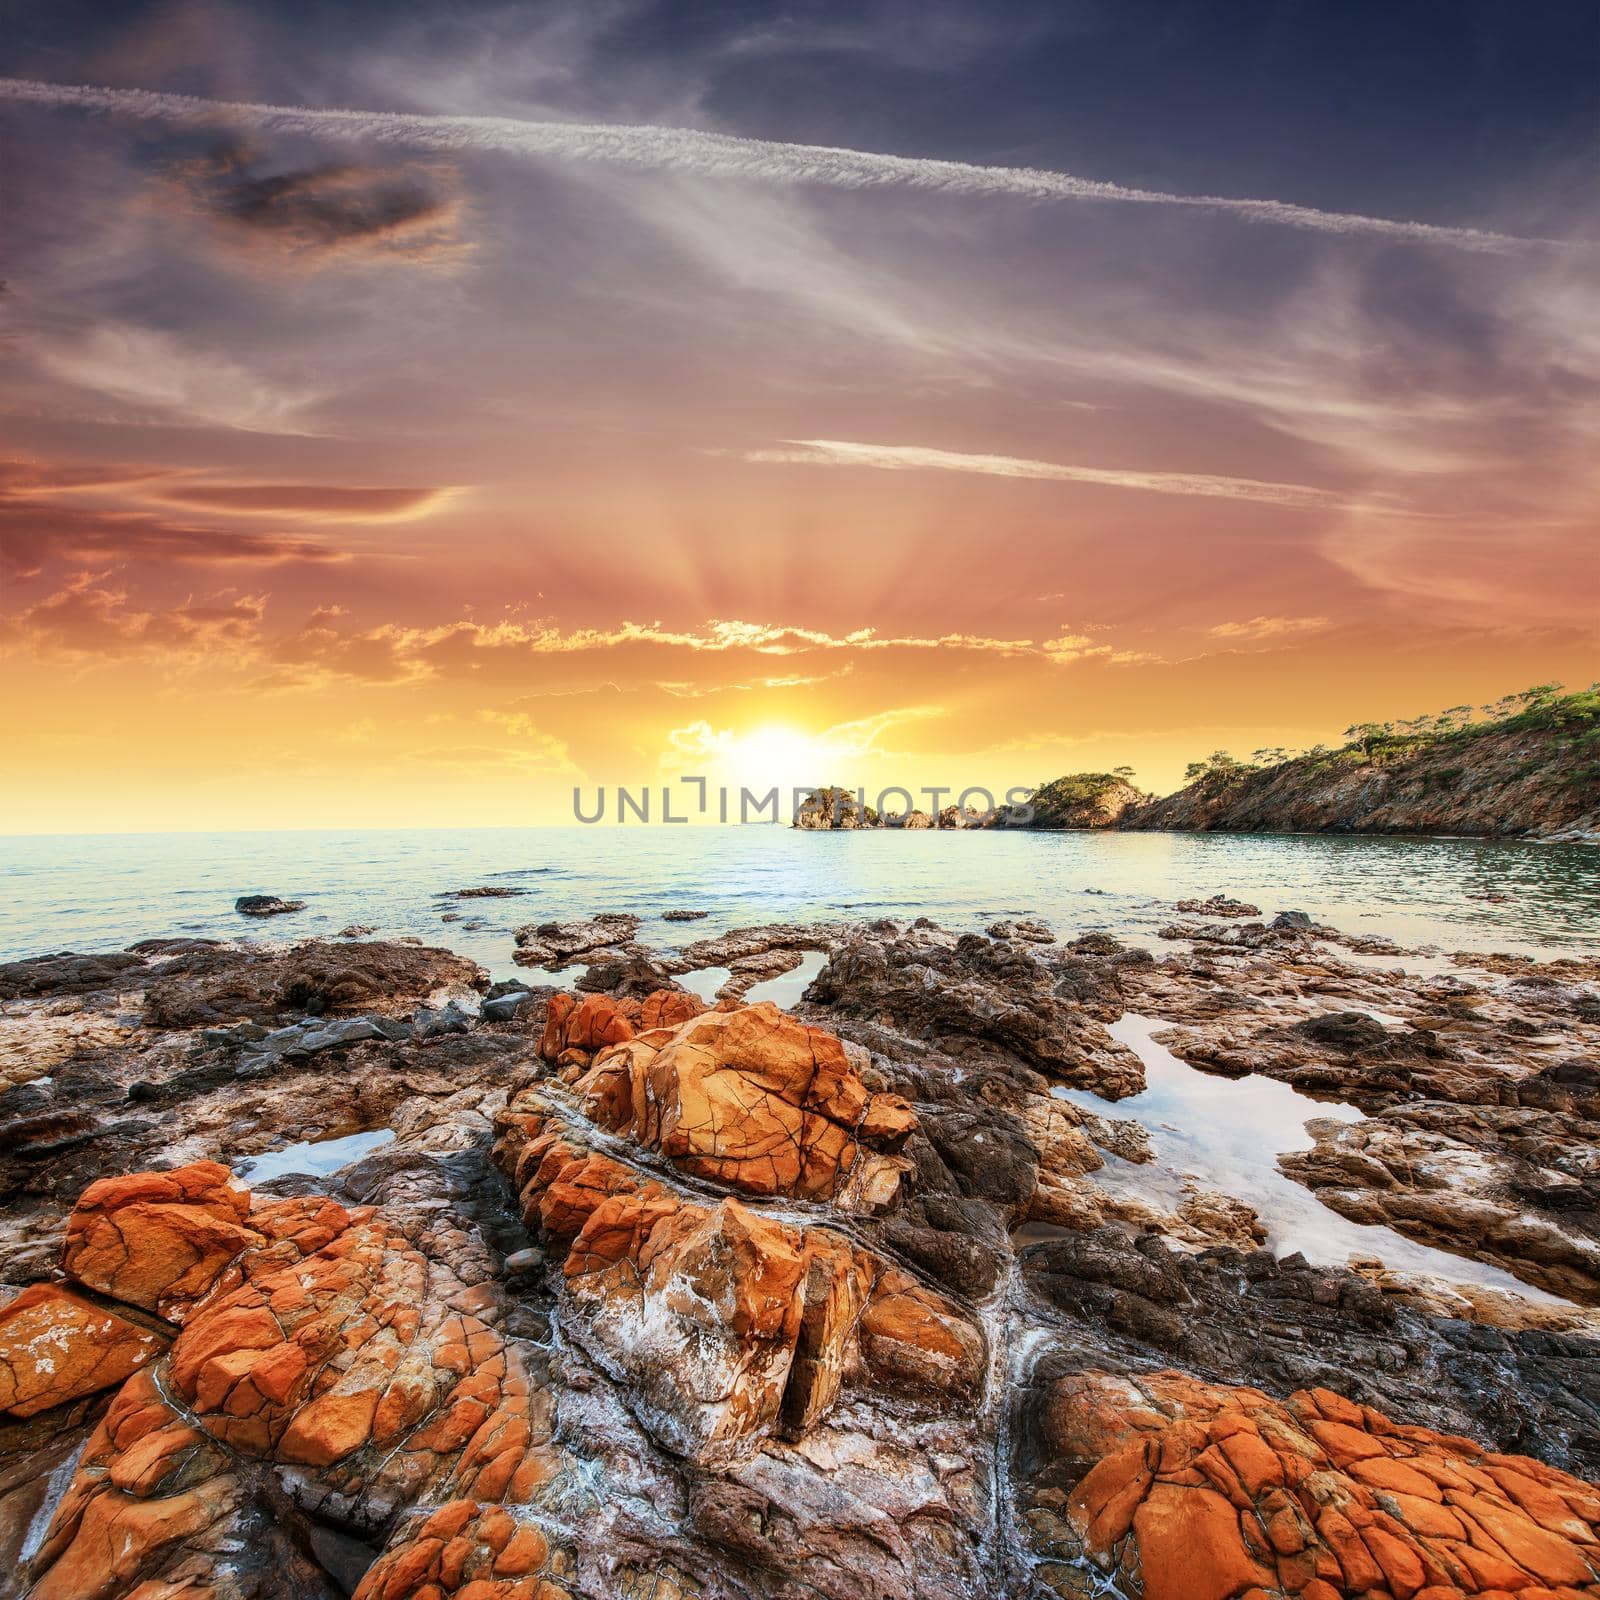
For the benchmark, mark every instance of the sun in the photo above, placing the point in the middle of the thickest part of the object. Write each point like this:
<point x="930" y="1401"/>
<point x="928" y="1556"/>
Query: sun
<point x="776" y="753"/>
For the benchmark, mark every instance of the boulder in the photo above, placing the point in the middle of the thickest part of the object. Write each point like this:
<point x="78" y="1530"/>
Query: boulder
<point x="158" y="1239"/>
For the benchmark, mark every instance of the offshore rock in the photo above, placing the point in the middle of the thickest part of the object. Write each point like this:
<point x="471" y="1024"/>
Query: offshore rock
<point x="556" y="944"/>
<point x="266" y="905"/>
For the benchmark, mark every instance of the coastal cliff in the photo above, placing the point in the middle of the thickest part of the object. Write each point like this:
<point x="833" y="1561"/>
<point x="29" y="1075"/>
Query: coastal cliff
<point x="1530" y="768"/>
<point x="1534" y="773"/>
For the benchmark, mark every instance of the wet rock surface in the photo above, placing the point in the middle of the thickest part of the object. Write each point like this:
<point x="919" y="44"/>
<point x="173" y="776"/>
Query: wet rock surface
<point x="1480" y="1082"/>
<point x="649" y="1298"/>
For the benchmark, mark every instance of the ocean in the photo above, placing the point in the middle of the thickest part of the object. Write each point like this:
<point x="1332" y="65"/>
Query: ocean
<point x="105" y="891"/>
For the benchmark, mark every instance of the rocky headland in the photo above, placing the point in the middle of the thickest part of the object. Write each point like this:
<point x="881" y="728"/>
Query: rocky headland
<point x="1530" y="770"/>
<point x="651" y="1298"/>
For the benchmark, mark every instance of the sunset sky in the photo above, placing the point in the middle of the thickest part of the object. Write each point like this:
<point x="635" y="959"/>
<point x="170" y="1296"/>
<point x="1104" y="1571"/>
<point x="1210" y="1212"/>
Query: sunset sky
<point x="467" y="402"/>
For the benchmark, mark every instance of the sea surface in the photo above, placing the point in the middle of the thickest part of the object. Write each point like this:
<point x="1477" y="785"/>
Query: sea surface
<point x="104" y="891"/>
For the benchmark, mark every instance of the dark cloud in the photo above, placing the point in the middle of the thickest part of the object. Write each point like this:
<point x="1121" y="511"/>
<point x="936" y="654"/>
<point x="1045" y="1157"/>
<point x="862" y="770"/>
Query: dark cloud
<point x="35" y="533"/>
<point x="316" y="214"/>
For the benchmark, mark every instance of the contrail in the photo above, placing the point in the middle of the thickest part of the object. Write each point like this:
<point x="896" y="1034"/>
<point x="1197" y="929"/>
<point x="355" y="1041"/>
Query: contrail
<point x="922" y="458"/>
<point x="717" y="155"/>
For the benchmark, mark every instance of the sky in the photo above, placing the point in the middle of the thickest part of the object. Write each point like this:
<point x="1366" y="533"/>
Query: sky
<point x="412" y="412"/>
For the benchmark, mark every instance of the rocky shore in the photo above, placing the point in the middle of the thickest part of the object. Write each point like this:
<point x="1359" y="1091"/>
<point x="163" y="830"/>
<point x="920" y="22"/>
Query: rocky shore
<point x="647" y="1297"/>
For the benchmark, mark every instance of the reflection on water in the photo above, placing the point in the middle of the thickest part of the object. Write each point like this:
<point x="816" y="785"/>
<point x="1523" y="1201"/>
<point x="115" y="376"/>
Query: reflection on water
<point x="104" y="891"/>
<point x="1227" y="1133"/>
<point x="785" y="990"/>
<point x="317" y="1158"/>
<point x="705" y="982"/>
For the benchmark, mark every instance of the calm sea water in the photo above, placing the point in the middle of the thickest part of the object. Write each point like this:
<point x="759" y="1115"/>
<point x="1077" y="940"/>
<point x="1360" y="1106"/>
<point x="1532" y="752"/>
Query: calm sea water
<point x="105" y="891"/>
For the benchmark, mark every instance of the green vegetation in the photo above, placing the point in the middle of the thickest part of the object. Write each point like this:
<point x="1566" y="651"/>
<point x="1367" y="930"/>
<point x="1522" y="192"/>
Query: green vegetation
<point x="1574" y="718"/>
<point x="1065" y="799"/>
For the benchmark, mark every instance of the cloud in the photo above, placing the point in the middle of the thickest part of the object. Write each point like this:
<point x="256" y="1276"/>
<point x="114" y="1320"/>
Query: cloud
<point x="724" y="156"/>
<point x="33" y="533"/>
<point x="48" y="477"/>
<point x="331" y="502"/>
<point x="316" y="215"/>
<point x="510" y="653"/>
<point x="1070" y="647"/>
<point x="178" y="381"/>
<point x="920" y="458"/>
<point x="1258" y="628"/>
<point x="84" y="618"/>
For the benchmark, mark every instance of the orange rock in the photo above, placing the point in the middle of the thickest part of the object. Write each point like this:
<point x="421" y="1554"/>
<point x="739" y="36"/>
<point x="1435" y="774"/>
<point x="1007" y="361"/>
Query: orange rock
<point x="56" y="1346"/>
<point x="158" y="1239"/>
<point x="328" y="1428"/>
<point x="700" y="1318"/>
<point x="1192" y="1496"/>
<point x="465" y="1551"/>
<point x="1190" y="1547"/>
<point x="666" y="1008"/>
<point x="575" y="1029"/>
<point x="752" y="1099"/>
<point x="835" y="1288"/>
<point x="912" y="1339"/>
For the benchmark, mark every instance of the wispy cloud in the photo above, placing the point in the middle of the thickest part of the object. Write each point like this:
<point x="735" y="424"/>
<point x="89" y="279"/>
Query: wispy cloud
<point x="311" y="216"/>
<point x="320" y="502"/>
<point x="178" y="382"/>
<point x="715" y="155"/>
<point x="1255" y="629"/>
<point x="920" y="458"/>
